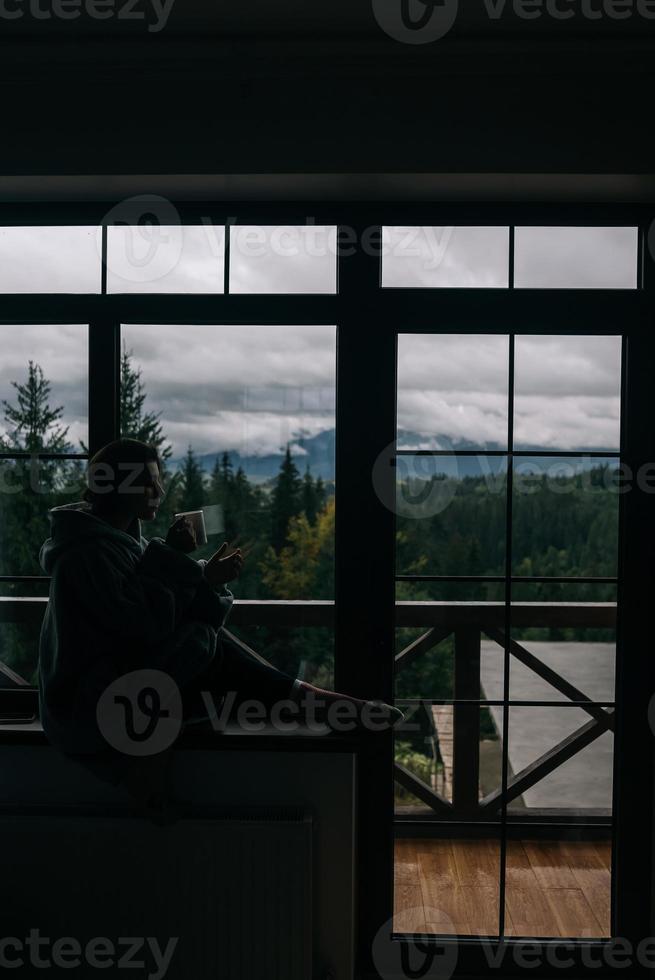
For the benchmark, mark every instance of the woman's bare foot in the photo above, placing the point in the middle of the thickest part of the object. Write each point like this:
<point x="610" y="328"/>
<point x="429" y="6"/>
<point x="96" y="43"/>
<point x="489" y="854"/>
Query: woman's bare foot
<point x="344" y="712"/>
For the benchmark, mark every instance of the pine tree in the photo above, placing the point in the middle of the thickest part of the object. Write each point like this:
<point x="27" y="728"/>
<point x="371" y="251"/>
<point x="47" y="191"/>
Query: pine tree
<point x="226" y="469"/>
<point x="135" y="422"/>
<point x="221" y="491"/>
<point x="33" y="419"/>
<point x="192" y="486"/>
<point x="215" y="477"/>
<point x="286" y="500"/>
<point x="309" y="497"/>
<point x="321" y="495"/>
<point x="29" y="488"/>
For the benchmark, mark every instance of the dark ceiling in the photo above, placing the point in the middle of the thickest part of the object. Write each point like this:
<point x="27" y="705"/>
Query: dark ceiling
<point x="295" y="98"/>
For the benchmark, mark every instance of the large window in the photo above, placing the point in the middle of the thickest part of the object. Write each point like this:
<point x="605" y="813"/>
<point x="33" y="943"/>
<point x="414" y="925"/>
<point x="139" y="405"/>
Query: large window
<point x="483" y="569"/>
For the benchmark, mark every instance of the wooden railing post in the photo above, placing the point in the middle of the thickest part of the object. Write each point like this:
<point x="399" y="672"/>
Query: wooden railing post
<point x="466" y="723"/>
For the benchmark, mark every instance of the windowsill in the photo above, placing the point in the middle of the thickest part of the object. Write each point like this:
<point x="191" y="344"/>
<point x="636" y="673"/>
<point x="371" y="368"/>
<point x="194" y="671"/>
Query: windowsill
<point x="204" y="737"/>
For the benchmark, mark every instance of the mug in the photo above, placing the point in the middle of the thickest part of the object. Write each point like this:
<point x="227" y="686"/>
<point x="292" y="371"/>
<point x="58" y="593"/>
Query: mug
<point x="197" y="518"/>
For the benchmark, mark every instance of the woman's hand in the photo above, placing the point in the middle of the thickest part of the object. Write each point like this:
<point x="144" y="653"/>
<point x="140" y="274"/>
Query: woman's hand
<point x="182" y="536"/>
<point x="223" y="567"/>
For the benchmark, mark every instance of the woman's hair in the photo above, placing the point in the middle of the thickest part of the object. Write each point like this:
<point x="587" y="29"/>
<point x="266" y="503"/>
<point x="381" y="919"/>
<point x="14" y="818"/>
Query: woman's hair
<point x="122" y="461"/>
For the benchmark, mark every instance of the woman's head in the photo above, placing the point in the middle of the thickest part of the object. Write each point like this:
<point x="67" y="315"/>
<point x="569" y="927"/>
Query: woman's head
<point x="124" y="477"/>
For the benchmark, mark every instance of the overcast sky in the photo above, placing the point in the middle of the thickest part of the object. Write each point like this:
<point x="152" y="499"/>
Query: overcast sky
<point x="255" y="388"/>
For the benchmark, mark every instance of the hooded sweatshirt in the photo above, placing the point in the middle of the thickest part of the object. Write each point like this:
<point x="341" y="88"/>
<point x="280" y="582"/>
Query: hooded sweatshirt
<point x="117" y="603"/>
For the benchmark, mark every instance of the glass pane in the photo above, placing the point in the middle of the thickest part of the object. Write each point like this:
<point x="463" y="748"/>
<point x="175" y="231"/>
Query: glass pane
<point x="449" y="523"/>
<point x="283" y="259"/>
<point x="452" y="391"/>
<point x="44" y="377"/>
<point x="447" y="883"/>
<point x="463" y="256"/>
<point x="29" y="489"/>
<point x="582" y="784"/>
<point x="37" y="259"/>
<point x="425" y="747"/>
<point x="550" y="594"/>
<point x="447" y="886"/>
<point x="567" y="393"/>
<point x="576" y="258"/>
<point x="558" y="887"/>
<point x="418" y="754"/>
<point x="450" y="598"/>
<point x="247" y="416"/>
<point x="152" y="258"/>
<point x="424" y="663"/>
<point x="19" y="651"/>
<point x="586" y="664"/>
<point x="572" y="633"/>
<point x="565" y="515"/>
<point x="433" y="635"/>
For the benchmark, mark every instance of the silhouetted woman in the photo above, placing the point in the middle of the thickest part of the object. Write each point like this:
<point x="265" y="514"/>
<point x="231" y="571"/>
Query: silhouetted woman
<point x="119" y="603"/>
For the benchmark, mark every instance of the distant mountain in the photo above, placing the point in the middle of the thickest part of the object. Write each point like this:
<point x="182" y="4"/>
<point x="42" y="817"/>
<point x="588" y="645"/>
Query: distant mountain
<point x="317" y="452"/>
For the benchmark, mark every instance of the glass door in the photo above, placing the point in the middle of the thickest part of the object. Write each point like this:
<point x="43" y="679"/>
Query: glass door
<point x="507" y="456"/>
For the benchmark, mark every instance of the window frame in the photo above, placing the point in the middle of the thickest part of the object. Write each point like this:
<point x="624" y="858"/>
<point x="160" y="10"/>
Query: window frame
<point x="368" y="319"/>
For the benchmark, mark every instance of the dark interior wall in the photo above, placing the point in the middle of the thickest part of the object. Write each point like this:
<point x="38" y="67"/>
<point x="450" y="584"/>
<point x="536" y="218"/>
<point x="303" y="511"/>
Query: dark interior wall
<point x="158" y="103"/>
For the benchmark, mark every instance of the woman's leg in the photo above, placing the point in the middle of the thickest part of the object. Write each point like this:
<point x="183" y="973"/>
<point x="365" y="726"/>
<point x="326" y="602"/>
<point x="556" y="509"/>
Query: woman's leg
<point x="235" y="670"/>
<point x="237" y="674"/>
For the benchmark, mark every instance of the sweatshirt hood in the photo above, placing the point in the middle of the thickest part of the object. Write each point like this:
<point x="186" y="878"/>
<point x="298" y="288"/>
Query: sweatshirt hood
<point x="72" y="524"/>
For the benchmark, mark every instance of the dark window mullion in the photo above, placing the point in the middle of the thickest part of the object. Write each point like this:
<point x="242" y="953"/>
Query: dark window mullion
<point x="103" y="262"/>
<point x="104" y="379"/>
<point x="508" y="627"/>
<point x="226" y="263"/>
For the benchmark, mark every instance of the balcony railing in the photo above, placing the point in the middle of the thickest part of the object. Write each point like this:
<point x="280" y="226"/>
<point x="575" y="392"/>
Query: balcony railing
<point x="467" y="622"/>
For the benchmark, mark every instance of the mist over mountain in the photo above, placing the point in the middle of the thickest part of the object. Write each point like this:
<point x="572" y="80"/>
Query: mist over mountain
<point x="317" y="452"/>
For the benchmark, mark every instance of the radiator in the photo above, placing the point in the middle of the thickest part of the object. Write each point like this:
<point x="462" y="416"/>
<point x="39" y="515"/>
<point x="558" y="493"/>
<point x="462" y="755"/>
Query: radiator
<point x="235" y="887"/>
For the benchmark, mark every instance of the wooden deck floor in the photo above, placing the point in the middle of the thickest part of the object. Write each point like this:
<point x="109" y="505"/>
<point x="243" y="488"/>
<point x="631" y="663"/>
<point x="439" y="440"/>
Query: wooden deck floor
<point x="554" y="888"/>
